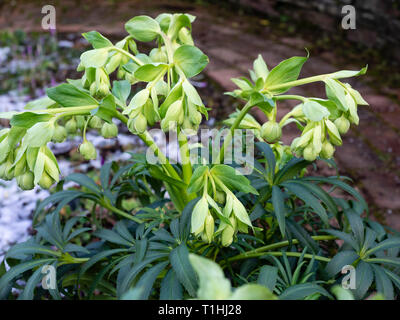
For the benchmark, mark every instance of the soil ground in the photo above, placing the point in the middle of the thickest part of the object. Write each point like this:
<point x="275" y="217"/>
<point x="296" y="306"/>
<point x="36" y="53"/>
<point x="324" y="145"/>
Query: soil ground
<point x="370" y="154"/>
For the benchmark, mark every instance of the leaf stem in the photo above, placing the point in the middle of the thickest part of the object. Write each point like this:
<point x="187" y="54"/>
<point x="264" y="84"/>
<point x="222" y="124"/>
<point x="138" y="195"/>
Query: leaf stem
<point x="290" y="97"/>
<point x="297" y="82"/>
<point x="185" y="157"/>
<point x="261" y="250"/>
<point x="137" y="61"/>
<point x="124" y="214"/>
<point x="234" y="126"/>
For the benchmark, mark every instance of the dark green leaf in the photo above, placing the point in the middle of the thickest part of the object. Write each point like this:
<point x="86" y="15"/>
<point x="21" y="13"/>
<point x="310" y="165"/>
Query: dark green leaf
<point x="179" y="258"/>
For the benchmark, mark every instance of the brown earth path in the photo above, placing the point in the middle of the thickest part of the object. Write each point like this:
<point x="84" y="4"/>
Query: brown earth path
<point x="370" y="154"/>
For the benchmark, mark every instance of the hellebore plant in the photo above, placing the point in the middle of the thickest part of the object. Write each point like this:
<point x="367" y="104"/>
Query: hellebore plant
<point x="216" y="212"/>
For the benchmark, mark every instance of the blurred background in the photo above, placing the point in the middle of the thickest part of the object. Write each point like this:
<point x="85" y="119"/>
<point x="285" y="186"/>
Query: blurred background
<point x="232" y="33"/>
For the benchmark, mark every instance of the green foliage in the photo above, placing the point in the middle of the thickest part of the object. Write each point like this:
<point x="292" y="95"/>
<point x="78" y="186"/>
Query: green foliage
<point x="184" y="231"/>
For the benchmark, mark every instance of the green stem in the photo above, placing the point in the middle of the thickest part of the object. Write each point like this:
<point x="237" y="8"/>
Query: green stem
<point x="234" y="126"/>
<point x="290" y="97"/>
<point x="108" y="206"/>
<point x="261" y="250"/>
<point x="178" y="197"/>
<point x="297" y="82"/>
<point x="148" y="140"/>
<point x="140" y="63"/>
<point x="70" y="110"/>
<point x="185" y="157"/>
<point x="291" y="254"/>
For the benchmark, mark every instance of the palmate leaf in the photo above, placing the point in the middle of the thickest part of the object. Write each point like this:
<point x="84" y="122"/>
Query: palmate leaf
<point x="342" y="185"/>
<point x="16" y="271"/>
<point x="113" y="237"/>
<point x="31" y="284"/>
<point x="341" y="259"/>
<point x="84" y="181"/>
<point x="364" y="278"/>
<point x="147" y="280"/>
<point x="232" y="178"/>
<point x="98" y="257"/>
<point x="179" y="258"/>
<point x="62" y="198"/>
<point x="356" y="224"/>
<point x="171" y="288"/>
<point x="278" y="201"/>
<point x="21" y="250"/>
<point x="303" y="194"/>
<point x="268" y="276"/>
<point x="301" y="291"/>
<point x="347" y="238"/>
<point x="383" y="282"/>
<point x="321" y="194"/>
<point x="131" y="274"/>
<point x="85" y="281"/>
<point x="269" y="156"/>
<point x="290" y="170"/>
<point x="302" y="235"/>
<point x="393" y="242"/>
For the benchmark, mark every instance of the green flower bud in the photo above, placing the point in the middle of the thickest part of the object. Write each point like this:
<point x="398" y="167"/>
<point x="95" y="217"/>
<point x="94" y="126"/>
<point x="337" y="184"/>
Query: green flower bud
<point x="294" y="144"/>
<point x="59" y="135"/>
<point x="3" y="167"/>
<point x="132" y="46"/>
<point x="334" y="135"/>
<point x="187" y="124"/>
<point x="109" y="130"/>
<point x="297" y="111"/>
<point x="103" y="90"/>
<point x="138" y="124"/>
<point x="20" y="166"/>
<point x="25" y="181"/>
<point x="227" y="236"/>
<point x="327" y="150"/>
<point x="113" y="63"/>
<point x="209" y="228"/>
<point x="271" y="131"/>
<point x="88" y="150"/>
<point x="174" y="115"/>
<point x="195" y="117"/>
<point x="121" y="73"/>
<point x="220" y="197"/>
<point x="80" y="67"/>
<point x="93" y="89"/>
<point x="185" y="36"/>
<point x="46" y="181"/>
<point x="158" y="55"/>
<point x="95" y="122"/>
<point x="8" y="172"/>
<point x="71" y="126"/>
<point x="80" y="122"/>
<point x="228" y="233"/>
<point x="130" y="77"/>
<point x="309" y="153"/>
<point x="242" y="227"/>
<point x="342" y="124"/>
